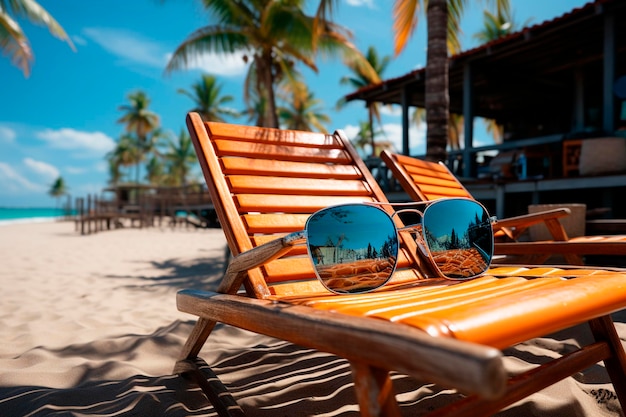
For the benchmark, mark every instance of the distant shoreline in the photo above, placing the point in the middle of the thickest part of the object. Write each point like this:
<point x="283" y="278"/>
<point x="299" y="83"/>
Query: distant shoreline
<point x="6" y="222"/>
<point x="13" y="215"/>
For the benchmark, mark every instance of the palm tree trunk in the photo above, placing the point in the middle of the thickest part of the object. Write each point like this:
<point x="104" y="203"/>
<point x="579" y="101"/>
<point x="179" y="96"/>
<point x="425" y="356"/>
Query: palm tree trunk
<point x="437" y="100"/>
<point x="371" y="121"/>
<point x="267" y="80"/>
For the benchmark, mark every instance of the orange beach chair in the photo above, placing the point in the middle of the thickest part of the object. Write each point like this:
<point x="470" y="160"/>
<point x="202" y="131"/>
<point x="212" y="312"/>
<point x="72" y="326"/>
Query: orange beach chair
<point x="265" y="183"/>
<point x="424" y="180"/>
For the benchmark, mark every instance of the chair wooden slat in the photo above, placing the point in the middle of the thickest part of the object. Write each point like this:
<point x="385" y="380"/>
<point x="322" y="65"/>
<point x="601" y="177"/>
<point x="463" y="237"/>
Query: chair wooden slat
<point x="278" y="152"/>
<point x="253" y="134"/>
<point x="296" y="186"/>
<point x="289" y="203"/>
<point x="272" y="167"/>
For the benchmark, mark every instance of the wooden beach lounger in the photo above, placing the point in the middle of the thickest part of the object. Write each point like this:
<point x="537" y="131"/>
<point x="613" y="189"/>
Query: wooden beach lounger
<point x="266" y="182"/>
<point x="424" y="180"/>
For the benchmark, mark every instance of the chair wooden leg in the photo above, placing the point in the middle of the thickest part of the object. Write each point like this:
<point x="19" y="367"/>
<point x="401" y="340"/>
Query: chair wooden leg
<point x="192" y="367"/>
<point x="195" y="341"/>
<point x="604" y="330"/>
<point x="527" y="383"/>
<point x="374" y="391"/>
<point x="216" y="392"/>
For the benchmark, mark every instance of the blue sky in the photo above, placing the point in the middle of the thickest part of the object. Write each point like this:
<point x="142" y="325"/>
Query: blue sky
<point x="62" y="120"/>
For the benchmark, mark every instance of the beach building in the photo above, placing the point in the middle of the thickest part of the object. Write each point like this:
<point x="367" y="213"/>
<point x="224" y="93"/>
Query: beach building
<point x="558" y="90"/>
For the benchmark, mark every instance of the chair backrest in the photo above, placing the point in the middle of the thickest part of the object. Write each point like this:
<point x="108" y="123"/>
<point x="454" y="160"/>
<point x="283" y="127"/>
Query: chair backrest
<point x="265" y="183"/>
<point x="424" y="180"/>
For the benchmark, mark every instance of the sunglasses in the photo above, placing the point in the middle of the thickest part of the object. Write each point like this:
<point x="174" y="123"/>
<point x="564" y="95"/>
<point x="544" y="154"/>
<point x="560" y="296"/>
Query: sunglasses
<point x="354" y="247"/>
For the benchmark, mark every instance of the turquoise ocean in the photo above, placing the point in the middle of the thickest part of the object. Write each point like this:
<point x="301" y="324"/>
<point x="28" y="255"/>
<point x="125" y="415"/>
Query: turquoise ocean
<point x="9" y="215"/>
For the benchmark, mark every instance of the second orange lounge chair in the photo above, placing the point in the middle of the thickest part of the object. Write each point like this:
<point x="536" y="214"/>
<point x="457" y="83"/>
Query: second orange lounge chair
<point x="265" y="183"/>
<point x="424" y="180"/>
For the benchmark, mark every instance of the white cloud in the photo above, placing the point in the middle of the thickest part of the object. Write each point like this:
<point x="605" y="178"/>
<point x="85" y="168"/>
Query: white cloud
<point x="74" y="170"/>
<point x="101" y="166"/>
<point x="13" y="182"/>
<point x="226" y="65"/>
<point x="129" y="45"/>
<point x="70" y="139"/>
<point x="358" y="3"/>
<point x="417" y="137"/>
<point x="391" y="110"/>
<point x="79" y="40"/>
<point x="43" y="169"/>
<point x="134" y="48"/>
<point x="7" y="135"/>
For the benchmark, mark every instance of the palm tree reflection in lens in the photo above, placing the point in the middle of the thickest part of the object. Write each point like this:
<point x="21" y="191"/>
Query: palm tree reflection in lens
<point x="459" y="238"/>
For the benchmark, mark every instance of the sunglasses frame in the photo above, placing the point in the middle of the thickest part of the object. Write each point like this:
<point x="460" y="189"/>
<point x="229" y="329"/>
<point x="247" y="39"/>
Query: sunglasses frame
<point x="422" y="243"/>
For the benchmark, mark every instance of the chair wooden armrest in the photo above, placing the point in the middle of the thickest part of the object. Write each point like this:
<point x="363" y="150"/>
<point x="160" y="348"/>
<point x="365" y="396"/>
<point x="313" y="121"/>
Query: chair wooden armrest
<point x="472" y="368"/>
<point x="513" y="227"/>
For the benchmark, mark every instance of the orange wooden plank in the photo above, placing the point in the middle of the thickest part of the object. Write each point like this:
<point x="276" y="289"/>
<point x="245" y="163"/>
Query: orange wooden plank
<point x="279" y="152"/>
<point x="274" y="223"/>
<point x="245" y="166"/>
<point x="254" y="134"/>
<point x="289" y="203"/>
<point x="284" y="185"/>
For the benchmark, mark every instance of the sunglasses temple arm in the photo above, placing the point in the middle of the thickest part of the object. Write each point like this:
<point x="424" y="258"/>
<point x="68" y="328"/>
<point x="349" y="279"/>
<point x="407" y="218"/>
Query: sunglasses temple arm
<point x="256" y="257"/>
<point x="267" y="252"/>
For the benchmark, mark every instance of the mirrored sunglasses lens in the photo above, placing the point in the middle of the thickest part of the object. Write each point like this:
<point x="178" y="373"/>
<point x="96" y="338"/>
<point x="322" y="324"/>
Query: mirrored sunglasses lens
<point x="459" y="236"/>
<point x="353" y="248"/>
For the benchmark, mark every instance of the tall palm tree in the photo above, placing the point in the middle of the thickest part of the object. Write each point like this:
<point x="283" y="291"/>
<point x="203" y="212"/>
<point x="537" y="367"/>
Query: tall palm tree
<point x="13" y="41"/>
<point x="359" y="80"/>
<point x="443" y="22"/>
<point x="273" y="35"/>
<point x="140" y="121"/>
<point x="58" y="189"/>
<point x="209" y="101"/>
<point x="304" y="113"/>
<point x="180" y="156"/>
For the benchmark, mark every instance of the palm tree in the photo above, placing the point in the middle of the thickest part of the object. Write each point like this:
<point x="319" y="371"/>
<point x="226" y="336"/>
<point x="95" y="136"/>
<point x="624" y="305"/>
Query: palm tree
<point x="209" y="101"/>
<point x="303" y="113"/>
<point x="13" y="41"/>
<point x="443" y="21"/>
<point x="141" y="122"/>
<point x="126" y="153"/>
<point x="364" y="137"/>
<point x="497" y="25"/>
<point x="273" y="35"/>
<point x="155" y="171"/>
<point x="115" y="174"/>
<point x="180" y="156"/>
<point x="58" y="189"/>
<point x="359" y="80"/>
<point x="255" y="110"/>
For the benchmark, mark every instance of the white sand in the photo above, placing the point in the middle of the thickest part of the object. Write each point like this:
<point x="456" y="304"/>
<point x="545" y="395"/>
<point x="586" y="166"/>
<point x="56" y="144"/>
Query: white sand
<point x="89" y="326"/>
